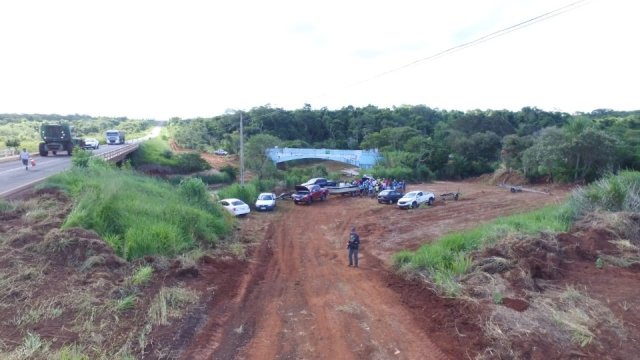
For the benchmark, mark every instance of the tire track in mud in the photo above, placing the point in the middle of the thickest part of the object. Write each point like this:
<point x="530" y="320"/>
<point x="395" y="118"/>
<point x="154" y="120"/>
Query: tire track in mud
<point x="304" y="302"/>
<point x="300" y="300"/>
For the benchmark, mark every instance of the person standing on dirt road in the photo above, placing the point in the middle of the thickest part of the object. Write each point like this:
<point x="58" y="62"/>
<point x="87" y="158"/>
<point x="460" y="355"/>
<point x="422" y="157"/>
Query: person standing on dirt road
<point x="24" y="156"/>
<point x="352" y="245"/>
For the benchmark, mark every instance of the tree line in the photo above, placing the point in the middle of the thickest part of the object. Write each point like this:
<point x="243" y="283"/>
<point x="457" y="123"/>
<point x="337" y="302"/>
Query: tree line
<point x="422" y="143"/>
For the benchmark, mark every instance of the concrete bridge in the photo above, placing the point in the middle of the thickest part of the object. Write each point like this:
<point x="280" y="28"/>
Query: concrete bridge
<point x="121" y="153"/>
<point x="361" y="158"/>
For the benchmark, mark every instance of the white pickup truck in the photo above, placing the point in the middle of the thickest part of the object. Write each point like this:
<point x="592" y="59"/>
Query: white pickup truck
<point x="413" y="199"/>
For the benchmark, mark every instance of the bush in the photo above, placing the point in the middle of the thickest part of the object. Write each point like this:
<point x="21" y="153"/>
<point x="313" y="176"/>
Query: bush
<point x="221" y="178"/>
<point x="248" y="193"/>
<point x="138" y="215"/>
<point x="12" y="143"/>
<point x="80" y="158"/>
<point x="232" y="172"/>
<point x="613" y="193"/>
<point x="191" y="162"/>
<point x="398" y="173"/>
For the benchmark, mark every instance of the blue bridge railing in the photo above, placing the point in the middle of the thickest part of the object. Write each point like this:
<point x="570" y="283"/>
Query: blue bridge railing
<point x="361" y="158"/>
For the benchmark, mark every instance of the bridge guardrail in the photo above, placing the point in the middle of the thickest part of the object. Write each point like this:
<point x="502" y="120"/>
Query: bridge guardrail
<point x="110" y="155"/>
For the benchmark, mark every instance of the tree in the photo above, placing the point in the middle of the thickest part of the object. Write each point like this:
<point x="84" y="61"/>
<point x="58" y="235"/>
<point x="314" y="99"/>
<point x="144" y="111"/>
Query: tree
<point x="255" y="153"/>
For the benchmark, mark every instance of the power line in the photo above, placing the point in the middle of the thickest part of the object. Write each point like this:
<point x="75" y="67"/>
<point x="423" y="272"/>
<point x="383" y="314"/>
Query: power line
<point x="480" y="40"/>
<point x="493" y="35"/>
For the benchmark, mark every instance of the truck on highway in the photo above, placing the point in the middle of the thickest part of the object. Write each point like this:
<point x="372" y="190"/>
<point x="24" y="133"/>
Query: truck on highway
<point x="57" y="137"/>
<point x="115" y="137"/>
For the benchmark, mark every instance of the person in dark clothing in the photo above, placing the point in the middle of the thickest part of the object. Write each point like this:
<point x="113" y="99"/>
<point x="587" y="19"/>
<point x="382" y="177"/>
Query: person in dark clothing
<point x="352" y="245"/>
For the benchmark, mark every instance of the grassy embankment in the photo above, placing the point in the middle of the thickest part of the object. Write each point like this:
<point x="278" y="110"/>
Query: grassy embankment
<point x="139" y="215"/>
<point x="448" y="258"/>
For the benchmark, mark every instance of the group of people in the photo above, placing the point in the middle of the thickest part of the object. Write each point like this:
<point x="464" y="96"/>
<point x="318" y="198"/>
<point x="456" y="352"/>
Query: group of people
<point x="371" y="186"/>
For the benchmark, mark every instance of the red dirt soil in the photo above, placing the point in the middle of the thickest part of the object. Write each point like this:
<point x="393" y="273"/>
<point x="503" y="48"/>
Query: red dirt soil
<point x="298" y="298"/>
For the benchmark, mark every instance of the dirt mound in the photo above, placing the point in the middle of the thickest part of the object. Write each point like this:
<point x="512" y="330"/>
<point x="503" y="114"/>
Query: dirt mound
<point x="502" y="176"/>
<point x="561" y="295"/>
<point x="80" y="248"/>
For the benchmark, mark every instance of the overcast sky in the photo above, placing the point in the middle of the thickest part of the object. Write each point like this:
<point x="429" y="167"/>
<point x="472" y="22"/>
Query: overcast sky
<point x="159" y="59"/>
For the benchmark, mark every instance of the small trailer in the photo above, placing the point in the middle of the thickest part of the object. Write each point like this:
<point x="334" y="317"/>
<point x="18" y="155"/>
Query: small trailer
<point x="450" y="196"/>
<point x="520" y="188"/>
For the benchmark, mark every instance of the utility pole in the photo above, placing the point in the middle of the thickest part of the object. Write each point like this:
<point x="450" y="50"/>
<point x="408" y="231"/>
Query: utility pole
<point x="241" y="153"/>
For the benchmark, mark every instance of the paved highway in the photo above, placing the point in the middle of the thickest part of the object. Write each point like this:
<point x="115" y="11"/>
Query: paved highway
<point x="13" y="176"/>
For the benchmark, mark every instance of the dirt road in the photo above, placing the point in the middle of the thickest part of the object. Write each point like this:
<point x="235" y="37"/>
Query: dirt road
<point x="300" y="300"/>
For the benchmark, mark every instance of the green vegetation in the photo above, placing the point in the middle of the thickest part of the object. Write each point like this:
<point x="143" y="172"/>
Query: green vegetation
<point x="22" y="129"/>
<point x="449" y="257"/>
<point x="142" y="275"/>
<point x="612" y="193"/>
<point x="420" y="143"/>
<point x="157" y="154"/>
<point x="139" y="215"/>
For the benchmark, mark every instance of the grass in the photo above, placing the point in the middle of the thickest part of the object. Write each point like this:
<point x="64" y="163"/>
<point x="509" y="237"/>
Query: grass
<point x="613" y="193"/>
<point x="48" y="309"/>
<point x="156" y="152"/>
<point x="142" y="275"/>
<point x="170" y="303"/>
<point x="139" y="215"/>
<point x="126" y="303"/>
<point x="449" y="257"/>
<point x="5" y="206"/>
<point x="31" y="347"/>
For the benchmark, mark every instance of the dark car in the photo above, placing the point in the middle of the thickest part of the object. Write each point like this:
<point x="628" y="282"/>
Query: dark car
<point x="322" y="182"/>
<point x="389" y="196"/>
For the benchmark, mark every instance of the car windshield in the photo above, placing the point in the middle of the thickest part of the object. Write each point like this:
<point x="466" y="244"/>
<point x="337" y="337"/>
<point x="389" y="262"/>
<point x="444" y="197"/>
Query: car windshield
<point x="385" y="192"/>
<point x="237" y="203"/>
<point x="265" y="197"/>
<point x="411" y="194"/>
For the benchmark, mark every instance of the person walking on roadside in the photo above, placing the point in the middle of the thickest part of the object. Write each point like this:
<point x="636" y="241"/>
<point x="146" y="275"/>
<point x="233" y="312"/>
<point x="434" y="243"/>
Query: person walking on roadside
<point x="24" y="156"/>
<point x="352" y="245"/>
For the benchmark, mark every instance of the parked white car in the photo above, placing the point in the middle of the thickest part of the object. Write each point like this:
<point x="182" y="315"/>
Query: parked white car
<point x="266" y="201"/>
<point x="413" y="199"/>
<point x="91" y="143"/>
<point x="221" y="152"/>
<point x="236" y="207"/>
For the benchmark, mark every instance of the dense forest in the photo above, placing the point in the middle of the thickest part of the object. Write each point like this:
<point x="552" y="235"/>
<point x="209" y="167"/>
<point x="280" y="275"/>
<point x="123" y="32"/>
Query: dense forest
<point x="421" y="143"/>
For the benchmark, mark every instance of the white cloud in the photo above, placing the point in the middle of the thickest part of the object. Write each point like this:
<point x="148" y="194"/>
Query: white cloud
<point x="157" y="59"/>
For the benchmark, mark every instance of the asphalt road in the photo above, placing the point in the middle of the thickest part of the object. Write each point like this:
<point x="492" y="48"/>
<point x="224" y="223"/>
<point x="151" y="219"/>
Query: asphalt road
<point x="14" y="177"/>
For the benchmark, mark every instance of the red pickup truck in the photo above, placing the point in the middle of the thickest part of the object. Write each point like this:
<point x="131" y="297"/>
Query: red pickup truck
<point x="308" y="194"/>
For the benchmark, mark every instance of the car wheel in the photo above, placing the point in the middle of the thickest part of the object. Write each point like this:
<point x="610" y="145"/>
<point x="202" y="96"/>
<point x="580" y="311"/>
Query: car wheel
<point x="430" y="202"/>
<point x="414" y="205"/>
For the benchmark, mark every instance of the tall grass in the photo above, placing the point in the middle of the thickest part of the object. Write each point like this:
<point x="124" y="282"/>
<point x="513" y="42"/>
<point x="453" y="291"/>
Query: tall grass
<point x="139" y="215"/>
<point x="157" y="152"/>
<point x="449" y="257"/>
<point x="613" y="193"/>
<point x="247" y="193"/>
